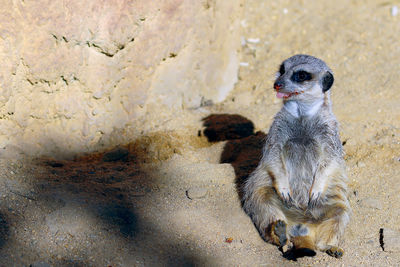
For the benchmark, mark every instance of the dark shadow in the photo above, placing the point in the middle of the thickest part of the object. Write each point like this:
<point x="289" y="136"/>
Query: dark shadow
<point x="244" y="147"/>
<point x="113" y="183"/>
<point x="110" y="186"/>
<point x="221" y="127"/>
<point x="294" y="254"/>
<point x="120" y="216"/>
<point x="100" y="182"/>
<point x="4" y="230"/>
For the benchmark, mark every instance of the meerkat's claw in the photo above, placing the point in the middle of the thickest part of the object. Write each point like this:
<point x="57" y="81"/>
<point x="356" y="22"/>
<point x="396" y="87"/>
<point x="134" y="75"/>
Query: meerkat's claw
<point x="287" y="199"/>
<point x="285" y="195"/>
<point x="314" y="198"/>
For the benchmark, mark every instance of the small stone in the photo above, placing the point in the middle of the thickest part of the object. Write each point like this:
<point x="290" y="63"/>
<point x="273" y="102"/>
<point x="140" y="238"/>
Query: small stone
<point x="98" y="94"/>
<point x="242" y="41"/>
<point x="390" y="240"/>
<point x="394" y="11"/>
<point x="196" y="192"/>
<point x="361" y="164"/>
<point x="371" y="203"/>
<point x="228" y="240"/>
<point x="285" y="248"/>
<point x="253" y="40"/>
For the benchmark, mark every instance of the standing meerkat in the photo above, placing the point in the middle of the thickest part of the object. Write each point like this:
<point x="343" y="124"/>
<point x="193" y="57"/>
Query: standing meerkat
<point x="298" y="193"/>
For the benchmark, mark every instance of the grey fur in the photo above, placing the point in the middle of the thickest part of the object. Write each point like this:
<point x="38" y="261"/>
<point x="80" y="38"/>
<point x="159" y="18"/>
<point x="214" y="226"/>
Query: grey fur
<point x="301" y="177"/>
<point x="299" y="230"/>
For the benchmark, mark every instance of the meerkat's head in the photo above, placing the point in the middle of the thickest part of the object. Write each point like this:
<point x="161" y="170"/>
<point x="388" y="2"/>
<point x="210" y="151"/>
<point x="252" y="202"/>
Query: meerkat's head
<point x="303" y="78"/>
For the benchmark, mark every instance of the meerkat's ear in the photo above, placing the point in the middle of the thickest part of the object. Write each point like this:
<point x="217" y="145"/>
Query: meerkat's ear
<point x="327" y="81"/>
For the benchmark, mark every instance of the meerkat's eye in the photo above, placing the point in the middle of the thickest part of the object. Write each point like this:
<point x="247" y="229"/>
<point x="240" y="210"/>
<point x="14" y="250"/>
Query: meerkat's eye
<point x="282" y="69"/>
<point x="301" y="76"/>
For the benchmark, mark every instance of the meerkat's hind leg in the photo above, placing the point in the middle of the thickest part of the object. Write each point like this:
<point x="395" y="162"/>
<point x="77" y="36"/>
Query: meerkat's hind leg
<point x="329" y="233"/>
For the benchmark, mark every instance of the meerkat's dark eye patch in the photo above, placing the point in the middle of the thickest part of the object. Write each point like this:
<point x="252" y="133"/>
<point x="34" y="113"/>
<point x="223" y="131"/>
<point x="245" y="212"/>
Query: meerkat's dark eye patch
<point x="282" y="69"/>
<point x="301" y="76"/>
<point x="327" y="81"/>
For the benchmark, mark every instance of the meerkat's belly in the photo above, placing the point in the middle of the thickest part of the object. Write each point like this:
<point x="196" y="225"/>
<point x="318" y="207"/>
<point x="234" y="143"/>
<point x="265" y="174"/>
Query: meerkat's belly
<point x="301" y="155"/>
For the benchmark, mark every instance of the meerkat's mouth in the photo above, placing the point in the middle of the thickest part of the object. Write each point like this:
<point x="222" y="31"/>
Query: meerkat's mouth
<point x="287" y="95"/>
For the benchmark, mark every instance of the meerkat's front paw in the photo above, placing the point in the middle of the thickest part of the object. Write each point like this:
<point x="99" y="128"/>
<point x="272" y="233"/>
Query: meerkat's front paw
<point x="285" y="194"/>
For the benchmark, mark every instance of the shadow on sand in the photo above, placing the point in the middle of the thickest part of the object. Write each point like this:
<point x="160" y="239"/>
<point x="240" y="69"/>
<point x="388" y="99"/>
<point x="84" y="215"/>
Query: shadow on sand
<point x="243" y="149"/>
<point x="92" y="210"/>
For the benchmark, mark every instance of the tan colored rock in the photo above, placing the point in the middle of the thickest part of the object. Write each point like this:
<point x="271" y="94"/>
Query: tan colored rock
<point x="77" y="73"/>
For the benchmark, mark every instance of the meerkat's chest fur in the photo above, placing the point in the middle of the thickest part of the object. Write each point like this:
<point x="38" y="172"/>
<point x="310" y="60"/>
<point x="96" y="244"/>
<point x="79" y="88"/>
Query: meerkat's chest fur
<point x="304" y="147"/>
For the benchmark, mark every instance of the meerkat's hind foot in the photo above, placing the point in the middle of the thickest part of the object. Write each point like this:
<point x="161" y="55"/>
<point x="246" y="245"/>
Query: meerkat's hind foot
<point x="279" y="230"/>
<point x="335" y="252"/>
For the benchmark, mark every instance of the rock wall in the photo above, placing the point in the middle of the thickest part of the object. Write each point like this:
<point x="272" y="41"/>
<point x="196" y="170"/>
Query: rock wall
<point x="74" y="73"/>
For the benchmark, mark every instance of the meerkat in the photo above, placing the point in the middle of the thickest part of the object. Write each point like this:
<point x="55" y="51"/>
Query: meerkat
<point x="297" y="196"/>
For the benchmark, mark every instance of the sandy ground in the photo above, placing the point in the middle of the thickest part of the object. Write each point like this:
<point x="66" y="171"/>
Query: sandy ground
<point x="167" y="200"/>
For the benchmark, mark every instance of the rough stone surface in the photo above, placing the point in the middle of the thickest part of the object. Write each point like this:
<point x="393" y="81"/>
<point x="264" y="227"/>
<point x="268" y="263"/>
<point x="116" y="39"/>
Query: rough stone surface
<point x="77" y="76"/>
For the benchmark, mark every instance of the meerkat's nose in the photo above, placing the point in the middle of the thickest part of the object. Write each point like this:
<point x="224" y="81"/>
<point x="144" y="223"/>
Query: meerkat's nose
<point x="278" y="85"/>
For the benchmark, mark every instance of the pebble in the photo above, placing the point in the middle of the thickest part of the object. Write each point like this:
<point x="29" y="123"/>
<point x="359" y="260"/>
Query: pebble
<point x="394" y="11"/>
<point x="196" y="192"/>
<point x="98" y="94"/>
<point x="242" y="41"/>
<point x="253" y="40"/>
<point x="371" y="203"/>
<point x="361" y="164"/>
<point x="390" y="240"/>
